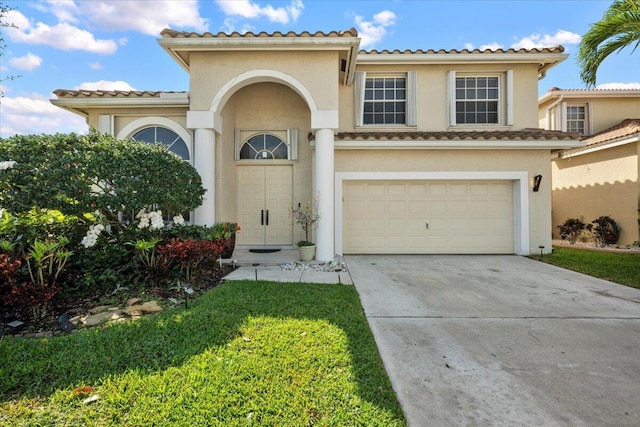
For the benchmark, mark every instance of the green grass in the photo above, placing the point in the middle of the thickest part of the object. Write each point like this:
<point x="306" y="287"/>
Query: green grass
<point x="622" y="268"/>
<point x="245" y="354"/>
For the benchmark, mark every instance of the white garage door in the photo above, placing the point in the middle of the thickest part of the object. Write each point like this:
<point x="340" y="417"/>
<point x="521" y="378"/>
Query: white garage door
<point x="428" y="217"/>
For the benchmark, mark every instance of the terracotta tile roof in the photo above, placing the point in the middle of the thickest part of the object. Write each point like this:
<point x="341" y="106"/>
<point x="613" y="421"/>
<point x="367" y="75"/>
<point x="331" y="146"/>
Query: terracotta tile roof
<point x="67" y="93"/>
<point x="626" y="128"/>
<point x="169" y="33"/>
<point x="553" y="49"/>
<point x="522" y="135"/>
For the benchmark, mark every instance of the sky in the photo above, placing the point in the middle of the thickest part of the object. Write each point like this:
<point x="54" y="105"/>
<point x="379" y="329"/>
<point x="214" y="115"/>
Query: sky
<point x="112" y="45"/>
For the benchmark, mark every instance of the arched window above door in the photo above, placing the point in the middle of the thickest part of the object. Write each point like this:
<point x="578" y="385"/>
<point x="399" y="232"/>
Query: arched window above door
<point x="270" y="145"/>
<point x="167" y="137"/>
<point x="264" y="147"/>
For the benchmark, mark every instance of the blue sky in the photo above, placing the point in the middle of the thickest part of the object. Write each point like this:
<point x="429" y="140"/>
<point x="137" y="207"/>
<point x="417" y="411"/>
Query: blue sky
<point x="92" y="44"/>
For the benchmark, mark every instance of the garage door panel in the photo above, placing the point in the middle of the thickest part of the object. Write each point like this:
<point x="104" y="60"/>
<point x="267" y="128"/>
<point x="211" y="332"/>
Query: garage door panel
<point x="463" y="217"/>
<point x="396" y="207"/>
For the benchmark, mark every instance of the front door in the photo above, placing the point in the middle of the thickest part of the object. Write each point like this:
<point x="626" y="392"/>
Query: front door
<point x="264" y="202"/>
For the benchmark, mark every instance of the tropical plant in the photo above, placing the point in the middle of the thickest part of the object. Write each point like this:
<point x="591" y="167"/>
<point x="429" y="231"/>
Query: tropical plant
<point x="572" y="228"/>
<point x="618" y="28"/>
<point x="46" y="260"/>
<point x="605" y="231"/>
<point x="306" y="215"/>
<point x="189" y="255"/>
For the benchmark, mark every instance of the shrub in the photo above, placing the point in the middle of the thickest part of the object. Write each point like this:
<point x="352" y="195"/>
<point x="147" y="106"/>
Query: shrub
<point x="77" y="175"/>
<point x="189" y="255"/>
<point x="606" y="231"/>
<point x="572" y="229"/>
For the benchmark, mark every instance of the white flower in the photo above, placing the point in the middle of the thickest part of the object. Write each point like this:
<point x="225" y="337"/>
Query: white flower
<point x="178" y="220"/>
<point x="91" y="238"/>
<point x="7" y="164"/>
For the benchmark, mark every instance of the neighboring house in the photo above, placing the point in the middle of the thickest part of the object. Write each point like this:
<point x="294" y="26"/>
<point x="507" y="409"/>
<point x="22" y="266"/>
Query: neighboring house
<point x="602" y="178"/>
<point x="404" y="151"/>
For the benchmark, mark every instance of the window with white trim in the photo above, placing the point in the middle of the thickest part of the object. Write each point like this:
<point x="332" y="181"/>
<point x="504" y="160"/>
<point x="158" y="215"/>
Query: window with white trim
<point x="266" y="145"/>
<point x="385" y="99"/>
<point x="481" y="99"/>
<point x="164" y="136"/>
<point x="576" y="118"/>
<point x="477" y="100"/>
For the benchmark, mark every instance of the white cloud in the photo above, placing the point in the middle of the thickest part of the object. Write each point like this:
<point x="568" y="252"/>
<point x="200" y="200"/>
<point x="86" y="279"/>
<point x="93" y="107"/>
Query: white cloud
<point x="372" y="32"/>
<point x="29" y="62"/>
<point x="96" y="66"/>
<point x="561" y="37"/>
<point x="105" y="85"/>
<point x="148" y="17"/>
<point x="490" y="46"/>
<point x="61" y="36"/>
<point x="251" y="10"/>
<point x="635" y="85"/>
<point x="229" y="26"/>
<point x="34" y="114"/>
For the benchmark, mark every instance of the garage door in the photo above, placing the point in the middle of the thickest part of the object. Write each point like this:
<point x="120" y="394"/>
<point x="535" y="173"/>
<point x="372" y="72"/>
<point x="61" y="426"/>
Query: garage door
<point x="428" y="217"/>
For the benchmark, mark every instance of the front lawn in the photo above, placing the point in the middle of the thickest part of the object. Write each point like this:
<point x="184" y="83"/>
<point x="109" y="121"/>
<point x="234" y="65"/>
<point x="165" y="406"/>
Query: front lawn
<point x="244" y="354"/>
<point x="622" y="268"/>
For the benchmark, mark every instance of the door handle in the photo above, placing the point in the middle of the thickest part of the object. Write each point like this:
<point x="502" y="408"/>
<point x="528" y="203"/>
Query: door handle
<point x="267" y="216"/>
<point x="427" y="225"/>
<point x="262" y="217"/>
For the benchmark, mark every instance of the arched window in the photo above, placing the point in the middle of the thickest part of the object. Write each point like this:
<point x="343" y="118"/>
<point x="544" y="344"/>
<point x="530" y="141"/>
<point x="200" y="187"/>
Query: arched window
<point x="264" y="146"/>
<point x="167" y="137"/>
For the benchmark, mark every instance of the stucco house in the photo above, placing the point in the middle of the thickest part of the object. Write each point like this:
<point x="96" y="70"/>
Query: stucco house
<point x="426" y="151"/>
<point x="603" y="177"/>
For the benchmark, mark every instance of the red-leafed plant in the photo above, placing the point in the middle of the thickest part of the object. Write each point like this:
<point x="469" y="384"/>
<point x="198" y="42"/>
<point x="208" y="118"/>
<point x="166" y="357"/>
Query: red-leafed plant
<point x="189" y="255"/>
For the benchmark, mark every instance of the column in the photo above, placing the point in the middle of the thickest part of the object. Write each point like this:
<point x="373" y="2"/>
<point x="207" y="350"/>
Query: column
<point x="204" y="160"/>
<point x="324" y="181"/>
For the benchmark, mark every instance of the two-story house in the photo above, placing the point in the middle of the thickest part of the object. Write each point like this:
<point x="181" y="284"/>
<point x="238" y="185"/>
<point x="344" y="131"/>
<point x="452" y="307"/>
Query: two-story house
<point x="404" y="151"/>
<point x="603" y="177"/>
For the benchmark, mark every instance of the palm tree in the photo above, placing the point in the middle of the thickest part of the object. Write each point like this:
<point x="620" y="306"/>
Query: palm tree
<point x="618" y="28"/>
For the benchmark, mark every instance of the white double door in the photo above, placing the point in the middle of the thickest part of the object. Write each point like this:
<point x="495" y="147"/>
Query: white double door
<point x="264" y="201"/>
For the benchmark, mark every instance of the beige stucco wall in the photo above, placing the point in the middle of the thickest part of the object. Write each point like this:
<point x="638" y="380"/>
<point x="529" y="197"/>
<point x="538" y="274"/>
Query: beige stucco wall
<point x="534" y="162"/>
<point x="124" y="116"/>
<point x="432" y="95"/>
<point x="596" y="184"/>
<point x="317" y="71"/>
<point x="605" y="111"/>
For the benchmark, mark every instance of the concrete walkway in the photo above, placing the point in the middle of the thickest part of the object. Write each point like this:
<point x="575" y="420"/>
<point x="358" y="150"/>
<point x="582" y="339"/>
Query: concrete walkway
<point x="282" y="266"/>
<point x="502" y="341"/>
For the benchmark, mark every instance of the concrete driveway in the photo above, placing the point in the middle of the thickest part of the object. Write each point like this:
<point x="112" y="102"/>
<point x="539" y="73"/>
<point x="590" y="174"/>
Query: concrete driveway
<point x="502" y="340"/>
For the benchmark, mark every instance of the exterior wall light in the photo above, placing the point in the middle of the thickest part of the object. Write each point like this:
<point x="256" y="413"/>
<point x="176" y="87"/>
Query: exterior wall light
<point x="536" y="182"/>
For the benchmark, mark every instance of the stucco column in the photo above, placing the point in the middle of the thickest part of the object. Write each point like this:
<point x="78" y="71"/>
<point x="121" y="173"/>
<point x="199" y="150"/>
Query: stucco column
<point x="324" y="180"/>
<point x="204" y="160"/>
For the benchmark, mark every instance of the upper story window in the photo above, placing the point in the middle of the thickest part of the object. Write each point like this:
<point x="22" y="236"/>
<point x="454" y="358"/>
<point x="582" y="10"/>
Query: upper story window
<point x="481" y="99"/>
<point x="477" y="100"/>
<point x="576" y="118"/>
<point x="385" y="99"/>
<point x="167" y="137"/>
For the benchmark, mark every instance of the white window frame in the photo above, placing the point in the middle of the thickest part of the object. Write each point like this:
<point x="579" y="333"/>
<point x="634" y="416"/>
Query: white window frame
<point x="505" y="97"/>
<point x="289" y="136"/>
<point x="587" y="116"/>
<point x="410" y="98"/>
